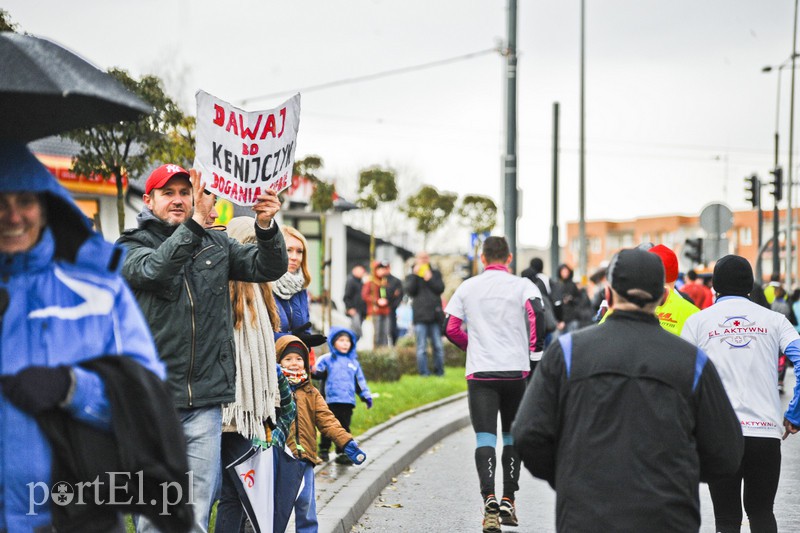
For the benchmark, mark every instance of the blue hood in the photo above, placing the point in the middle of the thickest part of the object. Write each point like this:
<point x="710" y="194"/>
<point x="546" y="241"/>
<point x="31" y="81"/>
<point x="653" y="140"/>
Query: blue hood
<point x="75" y="240"/>
<point x="335" y="330"/>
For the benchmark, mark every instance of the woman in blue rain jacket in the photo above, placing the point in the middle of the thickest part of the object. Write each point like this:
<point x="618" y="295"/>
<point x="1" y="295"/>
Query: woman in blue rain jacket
<point x="66" y="303"/>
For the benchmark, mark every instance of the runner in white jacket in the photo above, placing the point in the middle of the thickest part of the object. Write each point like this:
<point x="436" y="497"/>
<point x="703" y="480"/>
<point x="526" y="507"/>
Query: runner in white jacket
<point x="744" y="341"/>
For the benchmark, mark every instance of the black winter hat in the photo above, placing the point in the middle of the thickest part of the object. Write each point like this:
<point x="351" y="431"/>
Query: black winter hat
<point x="296" y="347"/>
<point x="634" y="268"/>
<point x="733" y="276"/>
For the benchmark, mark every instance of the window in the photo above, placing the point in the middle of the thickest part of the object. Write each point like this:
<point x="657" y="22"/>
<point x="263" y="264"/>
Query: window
<point x="746" y="236"/>
<point x="627" y="240"/>
<point x="309" y="227"/>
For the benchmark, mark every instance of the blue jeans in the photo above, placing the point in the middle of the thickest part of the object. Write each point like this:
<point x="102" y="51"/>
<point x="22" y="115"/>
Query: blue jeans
<point x="202" y="428"/>
<point x="305" y="508"/>
<point x="383" y="332"/>
<point x="424" y="332"/>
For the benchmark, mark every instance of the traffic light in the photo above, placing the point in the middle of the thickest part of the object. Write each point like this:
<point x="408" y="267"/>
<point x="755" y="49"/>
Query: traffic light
<point x="693" y="250"/>
<point x="777" y="183"/>
<point x="753" y="190"/>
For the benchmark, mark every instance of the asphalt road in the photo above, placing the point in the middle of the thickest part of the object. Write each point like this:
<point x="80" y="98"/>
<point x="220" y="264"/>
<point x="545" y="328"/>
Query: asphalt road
<point x="439" y="492"/>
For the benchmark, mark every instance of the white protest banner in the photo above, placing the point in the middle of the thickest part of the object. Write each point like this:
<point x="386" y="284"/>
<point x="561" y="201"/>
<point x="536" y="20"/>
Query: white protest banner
<point x="241" y="153"/>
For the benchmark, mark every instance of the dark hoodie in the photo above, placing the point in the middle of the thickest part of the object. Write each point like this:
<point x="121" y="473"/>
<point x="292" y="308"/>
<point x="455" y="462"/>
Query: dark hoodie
<point x="573" y="300"/>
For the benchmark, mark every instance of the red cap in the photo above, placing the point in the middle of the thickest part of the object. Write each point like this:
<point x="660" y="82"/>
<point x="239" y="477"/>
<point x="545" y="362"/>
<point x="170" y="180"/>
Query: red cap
<point x="160" y="176"/>
<point x="670" y="261"/>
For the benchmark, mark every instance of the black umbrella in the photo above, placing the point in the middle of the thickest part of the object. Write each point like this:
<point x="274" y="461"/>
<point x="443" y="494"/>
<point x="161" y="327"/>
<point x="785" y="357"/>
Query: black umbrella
<point x="46" y="89"/>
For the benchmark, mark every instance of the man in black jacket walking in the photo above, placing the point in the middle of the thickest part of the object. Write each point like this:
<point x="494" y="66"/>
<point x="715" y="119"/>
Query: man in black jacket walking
<point x="624" y="419"/>
<point x="425" y="286"/>
<point x="354" y="304"/>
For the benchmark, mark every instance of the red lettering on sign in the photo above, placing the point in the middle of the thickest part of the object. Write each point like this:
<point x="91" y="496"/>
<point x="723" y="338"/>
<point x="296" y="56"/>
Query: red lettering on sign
<point x="280" y="183"/>
<point x="236" y="124"/>
<point x="247" y="132"/>
<point x="251" y="149"/>
<point x="232" y="124"/>
<point x="283" y="121"/>
<point x="269" y="127"/>
<point x="219" y="115"/>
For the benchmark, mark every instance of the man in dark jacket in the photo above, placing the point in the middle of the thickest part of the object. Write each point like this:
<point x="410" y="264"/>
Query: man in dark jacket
<point x="624" y="420"/>
<point x="425" y="287"/>
<point x="179" y="272"/>
<point x="544" y="284"/>
<point x="394" y="292"/>
<point x="354" y="304"/>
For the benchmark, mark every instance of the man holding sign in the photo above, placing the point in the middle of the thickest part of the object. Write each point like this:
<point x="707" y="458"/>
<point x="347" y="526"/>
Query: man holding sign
<point x="179" y="273"/>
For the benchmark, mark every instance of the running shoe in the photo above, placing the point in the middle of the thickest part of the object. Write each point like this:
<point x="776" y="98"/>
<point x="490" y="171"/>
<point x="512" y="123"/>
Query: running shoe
<point x="508" y="512"/>
<point x="491" y="515"/>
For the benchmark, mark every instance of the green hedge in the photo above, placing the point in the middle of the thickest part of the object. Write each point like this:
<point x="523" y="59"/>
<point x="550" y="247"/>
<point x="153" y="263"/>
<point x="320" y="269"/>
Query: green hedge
<point x="381" y="364"/>
<point x="389" y="363"/>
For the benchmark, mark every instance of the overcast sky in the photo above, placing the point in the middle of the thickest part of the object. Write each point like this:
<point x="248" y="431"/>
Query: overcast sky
<point x="678" y="110"/>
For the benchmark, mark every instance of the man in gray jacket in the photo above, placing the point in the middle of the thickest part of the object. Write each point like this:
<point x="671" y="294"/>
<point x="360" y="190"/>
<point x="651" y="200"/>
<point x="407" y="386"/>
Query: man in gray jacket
<point x="179" y="273"/>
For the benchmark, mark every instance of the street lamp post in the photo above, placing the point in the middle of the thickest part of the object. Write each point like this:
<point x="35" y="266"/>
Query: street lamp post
<point x="776" y="267"/>
<point x="510" y="211"/>
<point x="790" y="176"/>
<point x="582" y="252"/>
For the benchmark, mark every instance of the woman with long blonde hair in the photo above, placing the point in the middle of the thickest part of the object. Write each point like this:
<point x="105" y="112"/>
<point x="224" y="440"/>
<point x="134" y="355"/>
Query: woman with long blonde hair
<point x="263" y="395"/>
<point x="291" y="291"/>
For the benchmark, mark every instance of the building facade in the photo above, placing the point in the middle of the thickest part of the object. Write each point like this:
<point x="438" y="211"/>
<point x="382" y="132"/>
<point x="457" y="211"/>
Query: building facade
<point x="606" y="237"/>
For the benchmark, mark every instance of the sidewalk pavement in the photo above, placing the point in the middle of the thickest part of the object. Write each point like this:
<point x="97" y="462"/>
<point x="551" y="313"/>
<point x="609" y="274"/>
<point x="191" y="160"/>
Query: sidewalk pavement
<point x="345" y="492"/>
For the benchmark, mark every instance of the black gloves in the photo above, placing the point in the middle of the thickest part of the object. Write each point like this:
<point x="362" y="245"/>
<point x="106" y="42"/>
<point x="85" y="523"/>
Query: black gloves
<point x="36" y="389"/>
<point x="309" y="339"/>
<point x="312" y="339"/>
<point x="300" y="330"/>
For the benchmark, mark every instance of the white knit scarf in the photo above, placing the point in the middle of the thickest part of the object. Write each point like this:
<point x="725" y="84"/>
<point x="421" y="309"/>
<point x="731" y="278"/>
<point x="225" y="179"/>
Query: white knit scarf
<point x="256" y="378"/>
<point x="289" y="284"/>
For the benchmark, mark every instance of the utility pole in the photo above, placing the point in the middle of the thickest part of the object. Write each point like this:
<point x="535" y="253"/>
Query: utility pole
<point x="582" y="262"/>
<point x="510" y="159"/>
<point x="554" y="248"/>
<point x="777" y="194"/>
<point x="759" y="263"/>
<point x="790" y="175"/>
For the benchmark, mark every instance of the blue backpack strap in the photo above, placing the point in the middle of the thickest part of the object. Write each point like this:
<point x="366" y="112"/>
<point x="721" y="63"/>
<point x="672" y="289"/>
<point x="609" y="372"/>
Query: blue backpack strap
<point x="566" y="346"/>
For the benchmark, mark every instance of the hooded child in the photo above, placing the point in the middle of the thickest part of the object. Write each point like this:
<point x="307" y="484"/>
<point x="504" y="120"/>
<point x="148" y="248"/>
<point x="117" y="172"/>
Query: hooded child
<point x="344" y="380"/>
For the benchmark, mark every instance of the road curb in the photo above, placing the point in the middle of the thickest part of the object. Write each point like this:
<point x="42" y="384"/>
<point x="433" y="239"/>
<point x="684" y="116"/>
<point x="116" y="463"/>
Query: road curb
<point x="345" y="493"/>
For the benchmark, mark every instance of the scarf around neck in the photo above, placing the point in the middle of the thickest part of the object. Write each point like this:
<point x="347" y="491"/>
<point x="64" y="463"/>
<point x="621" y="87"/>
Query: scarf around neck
<point x="288" y="285"/>
<point x="295" y="377"/>
<point x="256" y="377"/>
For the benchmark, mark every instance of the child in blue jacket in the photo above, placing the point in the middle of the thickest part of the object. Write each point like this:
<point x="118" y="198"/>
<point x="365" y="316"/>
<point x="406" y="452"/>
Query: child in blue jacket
<point x="344" y="379"/>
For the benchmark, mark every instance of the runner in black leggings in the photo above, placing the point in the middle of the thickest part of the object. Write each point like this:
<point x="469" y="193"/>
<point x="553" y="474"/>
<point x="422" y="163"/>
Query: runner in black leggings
<point x="498" y="318"/>
<point x="760" y="471"/>
<point x="486" y="398"/>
